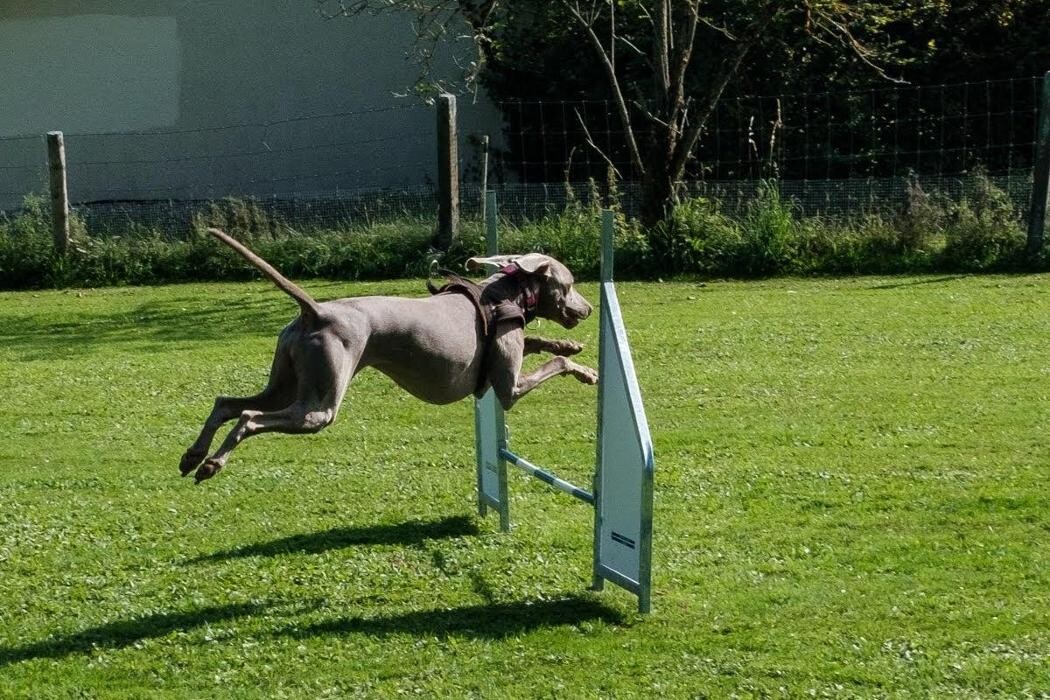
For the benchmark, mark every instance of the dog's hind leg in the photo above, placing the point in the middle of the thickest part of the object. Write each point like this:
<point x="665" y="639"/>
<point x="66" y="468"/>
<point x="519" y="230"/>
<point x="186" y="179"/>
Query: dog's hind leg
<point x="279" y="392"/>
<point x="297" y="418"/>
<point x="323" y="369"/>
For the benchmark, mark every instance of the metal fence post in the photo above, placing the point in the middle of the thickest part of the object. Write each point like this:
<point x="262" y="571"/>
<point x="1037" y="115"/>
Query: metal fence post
<point x="1040" y="174"/>
<point x="448" y="172"/>
<point x="56" y="158"/>
<point x="484" y="175"/>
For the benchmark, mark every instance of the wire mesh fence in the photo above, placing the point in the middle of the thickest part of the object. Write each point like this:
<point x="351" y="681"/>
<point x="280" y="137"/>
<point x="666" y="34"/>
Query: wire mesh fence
<point x="831" y="153"/>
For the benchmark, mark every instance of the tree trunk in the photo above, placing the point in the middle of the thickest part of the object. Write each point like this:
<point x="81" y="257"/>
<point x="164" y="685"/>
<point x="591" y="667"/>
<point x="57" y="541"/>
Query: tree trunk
<point x="659" y="181"/>
<point x="658" y="195"/>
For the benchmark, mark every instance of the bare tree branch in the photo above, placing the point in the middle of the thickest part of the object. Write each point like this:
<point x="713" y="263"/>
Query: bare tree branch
<point x="692" y="135"/>
<point x="614" y="84"/>
<point x="592" y="144"/>
<point x="688" y="41"/>
<point x="662" y="49"/>
<point x="841" y="33"/>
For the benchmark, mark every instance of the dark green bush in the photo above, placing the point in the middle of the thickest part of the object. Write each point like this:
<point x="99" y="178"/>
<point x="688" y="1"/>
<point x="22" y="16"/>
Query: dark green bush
<point x="980" y="232"/>
<point x="699" y="238"/>
<point x="771" y="235"/>
<point x="984" y="231"/>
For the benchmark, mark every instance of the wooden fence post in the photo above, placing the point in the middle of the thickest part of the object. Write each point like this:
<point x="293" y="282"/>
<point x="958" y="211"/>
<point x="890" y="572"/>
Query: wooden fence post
<point x="1040" y="174"/>
<point x="56" y="158"/>
<point x="448" y="172"/>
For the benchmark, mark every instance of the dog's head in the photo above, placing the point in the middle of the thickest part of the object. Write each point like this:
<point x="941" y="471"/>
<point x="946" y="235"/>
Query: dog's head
<point x="557" y="298"/>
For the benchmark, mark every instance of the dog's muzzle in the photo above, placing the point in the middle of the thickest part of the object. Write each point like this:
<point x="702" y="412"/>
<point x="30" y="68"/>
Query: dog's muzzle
<point x="577" y="310"/>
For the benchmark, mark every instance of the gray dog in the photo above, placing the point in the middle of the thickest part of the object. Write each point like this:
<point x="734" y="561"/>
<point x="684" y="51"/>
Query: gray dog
<point x="460" y="341"/>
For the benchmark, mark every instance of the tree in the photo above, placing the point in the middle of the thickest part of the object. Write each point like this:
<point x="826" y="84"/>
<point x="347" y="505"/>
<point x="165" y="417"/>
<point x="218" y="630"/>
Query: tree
<point x="693" y="49"/>
<point x="679" y="56"/>
<point x="435" y="21"/>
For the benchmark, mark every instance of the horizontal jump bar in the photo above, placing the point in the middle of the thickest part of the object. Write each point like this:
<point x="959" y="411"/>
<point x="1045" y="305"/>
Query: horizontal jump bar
<point x="545" y="476"/>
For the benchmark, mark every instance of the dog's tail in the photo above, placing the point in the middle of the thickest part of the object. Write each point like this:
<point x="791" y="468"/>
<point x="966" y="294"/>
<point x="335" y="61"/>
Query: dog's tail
<point x="310" y="308"/>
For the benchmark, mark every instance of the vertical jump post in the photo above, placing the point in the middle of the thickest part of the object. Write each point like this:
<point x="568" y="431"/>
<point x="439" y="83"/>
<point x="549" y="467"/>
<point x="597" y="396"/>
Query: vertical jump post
<point x="622" y="495"/>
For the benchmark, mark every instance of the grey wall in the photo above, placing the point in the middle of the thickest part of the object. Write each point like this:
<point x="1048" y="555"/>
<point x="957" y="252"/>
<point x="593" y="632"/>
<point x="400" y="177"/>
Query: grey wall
<point x="204" y="99"/>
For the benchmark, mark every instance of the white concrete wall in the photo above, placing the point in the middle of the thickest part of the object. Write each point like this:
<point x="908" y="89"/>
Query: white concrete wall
<point x="187" y="99"/>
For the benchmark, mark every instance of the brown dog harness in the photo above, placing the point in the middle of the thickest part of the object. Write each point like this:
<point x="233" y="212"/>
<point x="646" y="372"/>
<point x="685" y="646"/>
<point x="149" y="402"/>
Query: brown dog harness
<point x="495" y="302"/>
<point x="518" y="305"/>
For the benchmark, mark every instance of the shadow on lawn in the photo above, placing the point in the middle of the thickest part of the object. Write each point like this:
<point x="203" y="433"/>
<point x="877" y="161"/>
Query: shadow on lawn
<point x="491" y="621"/>
<point x="154" y="325"/>
<point x="414" y="532"/>
<point x="916" y="283"/>
<point x="252" y="310"/>
<point x="124" y="633"/>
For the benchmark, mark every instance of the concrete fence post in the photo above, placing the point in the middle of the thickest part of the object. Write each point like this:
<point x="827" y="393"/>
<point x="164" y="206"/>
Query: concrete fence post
<point x="56" y="158"/>
<point x="448" y="172"/>
<point x="1040" y="174"/>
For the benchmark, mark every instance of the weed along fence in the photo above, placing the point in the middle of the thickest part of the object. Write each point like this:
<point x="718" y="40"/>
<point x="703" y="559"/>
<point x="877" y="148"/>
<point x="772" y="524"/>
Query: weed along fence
<point x="622" y="491"/>
<point x="839" y="155"/>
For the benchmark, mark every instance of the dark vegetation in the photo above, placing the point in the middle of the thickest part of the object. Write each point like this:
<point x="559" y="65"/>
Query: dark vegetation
<point x="768" y="237"/>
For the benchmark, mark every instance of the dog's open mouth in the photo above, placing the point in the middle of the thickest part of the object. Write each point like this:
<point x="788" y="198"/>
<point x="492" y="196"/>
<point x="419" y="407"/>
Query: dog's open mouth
<point x="572" y="318"/>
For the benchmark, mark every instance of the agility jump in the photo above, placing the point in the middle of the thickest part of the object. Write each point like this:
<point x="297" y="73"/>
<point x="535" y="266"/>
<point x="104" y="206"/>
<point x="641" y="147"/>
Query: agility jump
<point x="622" y="490"/>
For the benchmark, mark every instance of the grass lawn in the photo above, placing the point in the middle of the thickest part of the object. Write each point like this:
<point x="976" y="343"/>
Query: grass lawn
<point x="852" y="499"/>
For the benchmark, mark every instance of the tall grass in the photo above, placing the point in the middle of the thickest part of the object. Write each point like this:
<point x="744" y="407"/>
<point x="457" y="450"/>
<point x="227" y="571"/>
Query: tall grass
<point x="981" y="232"/>
<point x="771" y="236"/>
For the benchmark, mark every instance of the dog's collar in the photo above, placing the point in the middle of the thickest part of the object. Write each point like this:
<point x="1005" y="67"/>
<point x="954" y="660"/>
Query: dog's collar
<point x="514" y="271"/>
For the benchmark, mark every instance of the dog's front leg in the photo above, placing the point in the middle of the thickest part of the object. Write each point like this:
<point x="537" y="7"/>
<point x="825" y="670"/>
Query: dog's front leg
<point x="505" y="370"/>
<point x="534" y="346"/>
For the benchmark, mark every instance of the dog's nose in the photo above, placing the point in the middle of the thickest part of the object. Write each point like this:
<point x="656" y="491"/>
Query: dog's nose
<point x="586" y="307"/>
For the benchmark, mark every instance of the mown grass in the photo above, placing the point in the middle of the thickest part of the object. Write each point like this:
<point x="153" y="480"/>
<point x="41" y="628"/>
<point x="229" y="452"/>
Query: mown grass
<point x="852" y="500"/>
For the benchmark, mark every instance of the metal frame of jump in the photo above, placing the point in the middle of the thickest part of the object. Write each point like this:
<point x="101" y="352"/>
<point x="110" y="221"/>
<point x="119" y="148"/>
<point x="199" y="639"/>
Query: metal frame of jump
<point x="622" y="494"/>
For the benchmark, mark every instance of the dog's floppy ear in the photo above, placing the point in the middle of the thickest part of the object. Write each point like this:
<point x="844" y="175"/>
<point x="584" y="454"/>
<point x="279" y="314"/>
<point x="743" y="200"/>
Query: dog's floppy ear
<point x="490" y="265"/>
<point x="534" y="263"/>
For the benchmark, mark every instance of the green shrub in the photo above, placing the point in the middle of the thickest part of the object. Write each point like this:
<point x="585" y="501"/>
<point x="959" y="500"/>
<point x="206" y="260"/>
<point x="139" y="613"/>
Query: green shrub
<point x="920" y="224"/>
<point x="27" y="256"/>
<point x="241" y="218"/>
<point x="984" y="231"/>
<point x="981" y="232"/>
<point x="770" y="234"/>
<point x="699" y="238"/>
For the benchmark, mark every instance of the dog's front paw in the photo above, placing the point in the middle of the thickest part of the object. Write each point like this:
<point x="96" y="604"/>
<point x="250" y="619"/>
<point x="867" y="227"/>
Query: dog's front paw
<point x="190" y="461"/>
<point x="565" y="348"/>
<point x="207" y="470"/>
<point x="586" y="375"/>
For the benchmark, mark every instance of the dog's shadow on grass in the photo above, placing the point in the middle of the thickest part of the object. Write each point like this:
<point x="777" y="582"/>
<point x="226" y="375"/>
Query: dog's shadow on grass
<point x="491" y="620"/>
<point x="124" y="633"/>
<point x="406" y="534"/>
